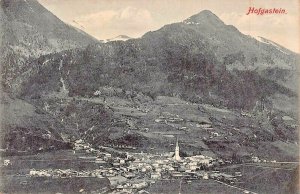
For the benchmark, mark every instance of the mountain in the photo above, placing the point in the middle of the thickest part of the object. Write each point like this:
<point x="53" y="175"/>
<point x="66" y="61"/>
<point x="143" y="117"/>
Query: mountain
<point x="118" y="38"/>
<point x="199" y="59"/>
<point x="221" y="91"/>
<point x="28" y="30"/>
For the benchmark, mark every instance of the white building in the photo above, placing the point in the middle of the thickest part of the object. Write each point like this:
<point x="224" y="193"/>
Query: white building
<point x="155" y="175"/>
<point x="6" y="162"/>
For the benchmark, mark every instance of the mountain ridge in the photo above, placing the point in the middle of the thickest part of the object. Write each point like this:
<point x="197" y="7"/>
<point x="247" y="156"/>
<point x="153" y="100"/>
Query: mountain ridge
<point x="182" y="43"/>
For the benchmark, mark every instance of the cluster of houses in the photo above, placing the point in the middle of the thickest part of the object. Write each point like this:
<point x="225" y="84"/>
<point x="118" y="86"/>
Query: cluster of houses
<point x="168" y="117"/>
<point x="137" y="170"/>
<point x="123" y="172"/>
<point x="256" y="159"/>
<point x="148" y="168"/>
<point x="6" y="162"/>
<point x="145" y="170"/>
<point x="64" y="173"/>
<point x="131" y="187"/>
<point x="157" y="166"/>
<point x="228" y="178"/>
<point x="81" y="145"/>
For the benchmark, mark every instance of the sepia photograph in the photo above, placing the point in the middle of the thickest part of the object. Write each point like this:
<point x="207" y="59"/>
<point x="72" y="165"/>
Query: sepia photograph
<point x="149" y="96"/>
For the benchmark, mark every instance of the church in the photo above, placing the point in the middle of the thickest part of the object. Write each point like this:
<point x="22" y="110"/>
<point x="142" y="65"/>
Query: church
<point x="177" y="156"/>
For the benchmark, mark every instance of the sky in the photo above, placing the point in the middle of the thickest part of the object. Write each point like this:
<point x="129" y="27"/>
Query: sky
<point x="106" y="19"/>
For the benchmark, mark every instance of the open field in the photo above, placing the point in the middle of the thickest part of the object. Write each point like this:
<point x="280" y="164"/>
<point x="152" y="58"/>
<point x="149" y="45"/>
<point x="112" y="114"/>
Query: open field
<point x="194" y="187"/>
<point x="62" y="159"/>
<point x="23" y="184"/>
<point x="15" y="178"/>
<point x="264" y="177"/>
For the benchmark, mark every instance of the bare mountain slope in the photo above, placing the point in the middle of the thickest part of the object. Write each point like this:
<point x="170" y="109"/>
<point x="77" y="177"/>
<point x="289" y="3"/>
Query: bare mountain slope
<point x="26" y="128"/>
<point x="28" y="30"/>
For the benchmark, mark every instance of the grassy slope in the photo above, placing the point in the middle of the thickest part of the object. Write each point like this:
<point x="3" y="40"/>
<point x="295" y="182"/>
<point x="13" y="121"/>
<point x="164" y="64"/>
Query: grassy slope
<point x="24" y="127"/>
<point x="132" y="120"/>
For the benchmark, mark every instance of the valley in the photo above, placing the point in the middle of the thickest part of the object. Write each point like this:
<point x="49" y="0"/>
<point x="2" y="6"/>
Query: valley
<point x="194" y="106"/>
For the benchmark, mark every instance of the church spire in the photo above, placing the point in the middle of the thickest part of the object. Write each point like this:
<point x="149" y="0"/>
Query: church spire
<point x="177" y="157"/>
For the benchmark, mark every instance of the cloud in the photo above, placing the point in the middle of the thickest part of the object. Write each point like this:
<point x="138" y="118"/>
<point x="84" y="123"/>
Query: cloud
<point x="136" y="14"/>
<point x="130" y="20"/>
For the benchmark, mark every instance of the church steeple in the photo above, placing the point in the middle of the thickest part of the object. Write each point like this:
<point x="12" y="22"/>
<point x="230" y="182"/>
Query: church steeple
<point x="177" y="157"/>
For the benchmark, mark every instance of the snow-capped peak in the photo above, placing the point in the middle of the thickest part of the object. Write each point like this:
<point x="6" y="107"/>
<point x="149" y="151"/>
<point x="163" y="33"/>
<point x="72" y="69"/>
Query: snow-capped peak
<point x="118" y="38"/>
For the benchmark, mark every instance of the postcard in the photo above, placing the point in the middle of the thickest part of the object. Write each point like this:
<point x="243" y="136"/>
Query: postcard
<point x="149" y="96"/>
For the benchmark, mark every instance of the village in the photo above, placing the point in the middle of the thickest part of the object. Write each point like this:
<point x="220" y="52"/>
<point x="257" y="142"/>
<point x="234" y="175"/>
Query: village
<point x="137" y="171"/>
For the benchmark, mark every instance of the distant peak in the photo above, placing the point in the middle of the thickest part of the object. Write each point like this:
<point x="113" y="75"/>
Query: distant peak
<point x="204" y="16"/>
<point x="118" y="38"/>
<point x="123" y="36"/>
